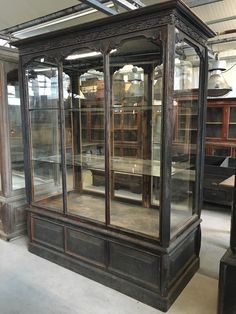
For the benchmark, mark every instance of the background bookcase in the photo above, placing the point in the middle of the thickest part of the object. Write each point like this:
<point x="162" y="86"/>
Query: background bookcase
<point x="127" y="128"/>
<point x="221" y="127"/>
<point x="185" y="122"/>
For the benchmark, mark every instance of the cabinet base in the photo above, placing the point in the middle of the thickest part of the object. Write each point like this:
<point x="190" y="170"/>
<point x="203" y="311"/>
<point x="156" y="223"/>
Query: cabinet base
<point x="135" y="267"/>
<point x="227" y="284"/>
<point x="137" y="292"/>
<point x="12" y="220"/>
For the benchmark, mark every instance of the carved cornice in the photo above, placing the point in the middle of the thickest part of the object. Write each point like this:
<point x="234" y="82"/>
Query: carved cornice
<point x="107" y="36"/>
<point x="190" y="30"/>
<point x="54" y="59"/>
<point x="85" y="36"/>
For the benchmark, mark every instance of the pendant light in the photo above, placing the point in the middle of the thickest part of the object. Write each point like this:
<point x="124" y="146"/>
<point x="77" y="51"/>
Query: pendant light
<point x="217" y="85"/>
<point x="135" y="78"/>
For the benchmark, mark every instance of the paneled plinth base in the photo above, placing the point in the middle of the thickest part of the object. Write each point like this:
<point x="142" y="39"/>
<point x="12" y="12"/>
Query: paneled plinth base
<point x="12" y="219"/>
<point x="135" y="267"/>
<point x="227" y="284"/>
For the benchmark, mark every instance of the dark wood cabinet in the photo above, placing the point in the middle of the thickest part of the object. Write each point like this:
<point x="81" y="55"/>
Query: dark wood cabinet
<point x="111" y="195"/>
<point x="221" y="127"/>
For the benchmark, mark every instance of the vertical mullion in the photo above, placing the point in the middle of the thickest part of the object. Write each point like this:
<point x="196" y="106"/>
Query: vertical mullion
<point x="6" y="172"/>
<point x="168" y="39"/>
<point x="107" y="106"/>
<point x="26" y="132"/>
<point x="225" y="122"/>
<point x="62" y="135"/>
<point x="147" y="134"/>
<point x="201" y="130"/>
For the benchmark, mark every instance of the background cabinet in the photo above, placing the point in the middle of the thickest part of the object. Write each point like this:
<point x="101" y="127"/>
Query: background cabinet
<point x="220" y="149"/>
<point x="221" y="127"/>
<point x="127" y="128"/>
<point x="220" y="142"/>
<point x="126" y="119"/>
<point x="186" y="123"/>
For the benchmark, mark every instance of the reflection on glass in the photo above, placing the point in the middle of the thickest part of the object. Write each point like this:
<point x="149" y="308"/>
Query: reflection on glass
<point x="15" y="131"/>
<point x="156" y="133"/>
<point x="45" y="136"/>
<point x="185" y="122"/>
<point x="84" y="134"/>
<point x="135" y="138"/>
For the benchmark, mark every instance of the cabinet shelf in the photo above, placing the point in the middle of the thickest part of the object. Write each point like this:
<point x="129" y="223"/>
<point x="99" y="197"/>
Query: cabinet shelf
<point x="188" y="114"/>
<point x="217" y="123"/>
<point x="187" y="129"/>
<point x="126" y="128"/>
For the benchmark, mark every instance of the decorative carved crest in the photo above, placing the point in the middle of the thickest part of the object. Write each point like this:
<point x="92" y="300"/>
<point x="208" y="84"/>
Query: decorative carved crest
<point x="83" y="37"/>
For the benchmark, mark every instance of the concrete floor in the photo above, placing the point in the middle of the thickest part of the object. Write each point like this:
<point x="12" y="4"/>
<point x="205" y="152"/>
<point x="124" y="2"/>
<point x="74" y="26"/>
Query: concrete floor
<point x="32" y="285"/>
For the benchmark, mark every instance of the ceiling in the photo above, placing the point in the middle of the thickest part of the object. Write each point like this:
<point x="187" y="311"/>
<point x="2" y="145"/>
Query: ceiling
<point x="220" y="15"/>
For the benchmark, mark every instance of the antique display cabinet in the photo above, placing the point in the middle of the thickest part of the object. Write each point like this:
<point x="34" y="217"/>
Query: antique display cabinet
<point x="12" y="181"/>
<point x="114" y="188"/>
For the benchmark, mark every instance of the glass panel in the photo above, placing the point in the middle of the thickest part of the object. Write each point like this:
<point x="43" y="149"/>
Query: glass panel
<point x="214" y="130"/>
<point x="45" y="137"/>
<point x="232" y="117"/>
<point x="232" y="123"/>
<point x="185" y="122"/>
<point x="156" y="134"/>
<point x="135" y="137"/>
<point x="214" y="123"/>
<point x="15" y="131"/>
<point x="84" y="125"/>
<point x="232" y="131"/>
<point x="214" y="115"/>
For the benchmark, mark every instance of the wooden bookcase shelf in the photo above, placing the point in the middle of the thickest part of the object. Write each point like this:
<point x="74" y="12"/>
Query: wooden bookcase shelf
<point x="221" y="127"/>
<point x="186" y="121"/>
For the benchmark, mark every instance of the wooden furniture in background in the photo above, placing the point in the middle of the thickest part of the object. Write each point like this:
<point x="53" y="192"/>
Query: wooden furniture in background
<point x="221" y="127"/>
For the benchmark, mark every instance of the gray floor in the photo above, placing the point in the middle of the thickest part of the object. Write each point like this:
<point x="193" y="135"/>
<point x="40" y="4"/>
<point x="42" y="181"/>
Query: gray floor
<point x="32" y="285"/>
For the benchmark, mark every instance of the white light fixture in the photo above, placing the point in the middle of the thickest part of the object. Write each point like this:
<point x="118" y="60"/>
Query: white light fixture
<point x="83" y="55"/>
<point x="57" y="21"/>
<point x="217" y="85"/>
<point x="86" y="55"/>
<point x="135" y="78"/>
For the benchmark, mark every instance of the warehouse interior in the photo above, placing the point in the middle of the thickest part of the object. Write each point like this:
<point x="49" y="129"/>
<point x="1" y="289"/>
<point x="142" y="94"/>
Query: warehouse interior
<point x="101" y="184"/>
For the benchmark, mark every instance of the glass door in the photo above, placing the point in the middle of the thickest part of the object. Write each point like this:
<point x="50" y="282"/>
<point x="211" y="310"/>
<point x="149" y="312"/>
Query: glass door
<point x="214" y="123"/>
